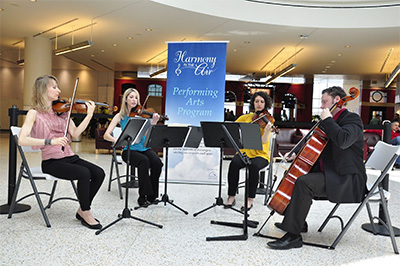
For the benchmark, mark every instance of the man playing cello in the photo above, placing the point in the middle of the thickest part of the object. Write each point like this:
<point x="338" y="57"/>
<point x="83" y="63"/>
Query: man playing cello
<point x="338" y="175"/>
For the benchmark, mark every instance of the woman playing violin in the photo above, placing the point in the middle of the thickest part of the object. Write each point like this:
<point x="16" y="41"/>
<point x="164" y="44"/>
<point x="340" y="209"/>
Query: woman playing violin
<point x="44" y="129"/>
<point x="339" y="175"/>
<point x="141" y="157"/>
<point x="259" y="102"/>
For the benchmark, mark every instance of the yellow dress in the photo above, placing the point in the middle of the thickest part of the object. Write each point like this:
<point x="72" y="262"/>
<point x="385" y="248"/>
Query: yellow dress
<point x="247" y="118"/>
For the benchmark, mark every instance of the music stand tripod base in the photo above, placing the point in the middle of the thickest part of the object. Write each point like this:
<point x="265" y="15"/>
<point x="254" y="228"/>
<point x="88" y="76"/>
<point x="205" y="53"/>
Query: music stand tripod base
<point x="162" y="136"/>
<point x="132" y="133"/>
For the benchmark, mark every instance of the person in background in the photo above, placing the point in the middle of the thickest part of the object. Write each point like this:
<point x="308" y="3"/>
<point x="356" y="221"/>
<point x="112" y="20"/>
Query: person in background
<point x="339" y="174"/>
<point x="259" y="102"/>
<point x="376" y="120"/>
<point x="396" y="117"/>
<point x="143" y="158"/>
<point x="44" y="128"/>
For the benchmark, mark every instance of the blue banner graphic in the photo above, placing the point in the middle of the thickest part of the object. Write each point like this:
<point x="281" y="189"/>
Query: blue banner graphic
<point x="195" y="82"/>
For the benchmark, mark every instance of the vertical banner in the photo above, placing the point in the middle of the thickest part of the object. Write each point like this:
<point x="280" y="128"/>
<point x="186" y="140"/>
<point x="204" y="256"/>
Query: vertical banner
<point x="195" y="92"/>
<point x="195" y="82"/>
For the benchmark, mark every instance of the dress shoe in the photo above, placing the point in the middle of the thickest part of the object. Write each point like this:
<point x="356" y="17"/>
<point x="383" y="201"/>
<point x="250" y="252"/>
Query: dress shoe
<point x="304" y="229"/>
<point x="152" y="200"/>
<point x="77" y="216"/>
<point x="248" y="209"/>
<point x="143" y="202"/>
<point x="91" y="226"/>
<point x="288" y="241"/>
<point x="227" y="206"/>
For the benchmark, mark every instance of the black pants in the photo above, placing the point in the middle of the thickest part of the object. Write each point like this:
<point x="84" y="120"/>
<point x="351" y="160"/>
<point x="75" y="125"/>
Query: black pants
<point x="236" y="164"/>
<point x="307" y="187"/>
<point x="89" y="176"/>
<point x="148" y="183"/>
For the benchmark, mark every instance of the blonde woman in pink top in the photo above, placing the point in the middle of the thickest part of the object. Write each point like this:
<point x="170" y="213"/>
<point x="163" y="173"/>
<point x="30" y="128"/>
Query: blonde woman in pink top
<point x="44" y="129"/>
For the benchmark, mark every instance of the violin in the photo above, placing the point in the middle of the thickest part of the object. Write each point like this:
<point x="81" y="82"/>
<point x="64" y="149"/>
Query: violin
<point x="263" y="118"/>
<point x="145" y="112"/>
<point x="305" y="160"/>
<point x="63" y="105"/>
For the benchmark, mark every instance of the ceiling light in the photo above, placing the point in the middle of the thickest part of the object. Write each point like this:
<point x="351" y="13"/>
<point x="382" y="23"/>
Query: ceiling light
<point x="73" y="47"/>
<point x="392" y="76"/>
<point x="281" y="73"/>
<point x="158" y="72"/>
<point x="21" y="62"/>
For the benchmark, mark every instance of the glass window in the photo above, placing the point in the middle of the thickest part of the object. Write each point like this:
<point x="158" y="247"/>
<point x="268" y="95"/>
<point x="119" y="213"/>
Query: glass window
<point x="322" y="82"/>
<point x="154" y="90"/>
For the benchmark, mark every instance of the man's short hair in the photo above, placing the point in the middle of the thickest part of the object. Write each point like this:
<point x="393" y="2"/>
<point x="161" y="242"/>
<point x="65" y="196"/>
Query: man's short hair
<point x="335" y="91"/>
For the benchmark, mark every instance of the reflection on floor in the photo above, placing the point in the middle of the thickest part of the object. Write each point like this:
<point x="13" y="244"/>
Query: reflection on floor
<point x="25" y="240"/>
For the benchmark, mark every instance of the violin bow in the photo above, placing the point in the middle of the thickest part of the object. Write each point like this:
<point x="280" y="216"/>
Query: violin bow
<point x="145" y="101"/>
<point x="70" y="110"/>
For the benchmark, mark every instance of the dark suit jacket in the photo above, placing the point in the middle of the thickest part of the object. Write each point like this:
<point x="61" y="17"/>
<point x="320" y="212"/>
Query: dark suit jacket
<point x="342" y="158"/>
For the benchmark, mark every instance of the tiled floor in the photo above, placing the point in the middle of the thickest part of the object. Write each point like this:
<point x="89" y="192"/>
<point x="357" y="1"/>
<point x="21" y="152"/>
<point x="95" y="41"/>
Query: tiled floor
<point x="25" y="240"/>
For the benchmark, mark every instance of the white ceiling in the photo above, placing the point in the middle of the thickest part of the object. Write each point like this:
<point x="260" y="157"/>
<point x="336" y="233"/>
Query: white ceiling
<point x="256" y="30"/>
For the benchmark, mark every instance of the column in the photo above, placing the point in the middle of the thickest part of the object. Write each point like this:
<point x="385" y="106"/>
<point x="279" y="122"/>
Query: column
<point x="37" y="55"/>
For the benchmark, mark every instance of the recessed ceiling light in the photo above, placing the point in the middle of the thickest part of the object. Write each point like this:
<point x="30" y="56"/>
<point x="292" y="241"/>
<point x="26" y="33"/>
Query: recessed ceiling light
<point x="115" y="45"/>
<point x="92" y="55"/>
<point x="339" y="54"/>
<point x="33" y="1"/>
<point x="235" y="50"/>
<point x="1" y="9"/>
<point x="129" y="38"/>
<point x="328" y="67"/>
<point x="347" y="46"/>
<point x="102" y="51"/>
<point x="303" y="36"/>
<point x="333" y="61"/>
<point x="148" y="29"/>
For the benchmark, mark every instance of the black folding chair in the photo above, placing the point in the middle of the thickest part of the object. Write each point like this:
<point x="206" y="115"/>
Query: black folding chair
<point x="33" y="174"/>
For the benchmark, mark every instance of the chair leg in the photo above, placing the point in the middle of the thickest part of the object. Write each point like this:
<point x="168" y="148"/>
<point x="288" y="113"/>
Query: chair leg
<point x="330" y="215"/>
<point x="118" y="180"/>
<point x="111" y="173"/>
<point x="39" y="201"/>
<point x="388" y="222"/>
<point x="346" y="227"/>
<point x="53" y="190"/>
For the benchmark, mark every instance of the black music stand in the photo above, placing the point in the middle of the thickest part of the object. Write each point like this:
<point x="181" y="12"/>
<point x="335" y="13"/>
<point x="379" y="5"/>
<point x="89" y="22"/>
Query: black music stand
<point x="215" y="137"/>
<point x="167" y="136"/>
<point x="132" y="133"/>
<point x="241" y="136"/>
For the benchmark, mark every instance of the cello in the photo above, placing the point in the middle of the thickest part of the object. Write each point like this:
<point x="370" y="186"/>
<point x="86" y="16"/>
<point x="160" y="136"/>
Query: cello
<point x="304" y="161"/>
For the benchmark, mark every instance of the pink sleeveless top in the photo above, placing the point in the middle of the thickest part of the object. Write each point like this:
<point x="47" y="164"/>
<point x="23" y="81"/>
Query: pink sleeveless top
<point x="49" y="125"/>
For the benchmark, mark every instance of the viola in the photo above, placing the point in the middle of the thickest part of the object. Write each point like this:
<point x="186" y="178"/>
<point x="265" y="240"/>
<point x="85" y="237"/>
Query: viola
<point x="145" y="112"/>
<point x="305" y="160"/>
<point x="63" y="105"/>
<point x="263" y="118"/>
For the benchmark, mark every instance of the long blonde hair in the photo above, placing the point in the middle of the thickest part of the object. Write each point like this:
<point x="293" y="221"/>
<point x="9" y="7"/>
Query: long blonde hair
<point x="39" y="95"/>
<point x="124" y="105"/>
